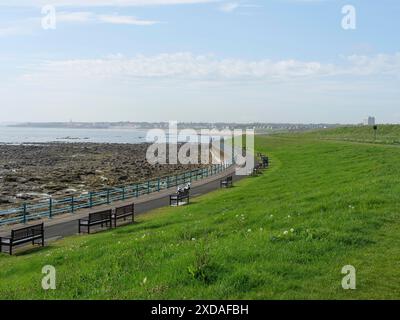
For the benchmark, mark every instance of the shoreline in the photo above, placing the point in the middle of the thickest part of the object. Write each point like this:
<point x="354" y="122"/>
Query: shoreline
<point x="43" y="170"/>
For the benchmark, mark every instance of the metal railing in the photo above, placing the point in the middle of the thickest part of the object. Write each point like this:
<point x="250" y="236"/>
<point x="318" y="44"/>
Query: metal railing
<point x="48" y="208"/>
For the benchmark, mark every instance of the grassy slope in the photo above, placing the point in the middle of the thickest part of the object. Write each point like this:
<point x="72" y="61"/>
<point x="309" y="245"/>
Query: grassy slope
<point x="386" y="134"/>
<point x="341" y="199"/>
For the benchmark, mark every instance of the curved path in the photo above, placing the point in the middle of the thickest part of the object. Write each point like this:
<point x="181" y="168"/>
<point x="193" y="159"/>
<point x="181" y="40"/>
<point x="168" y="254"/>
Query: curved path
<point x="67" y="224"/>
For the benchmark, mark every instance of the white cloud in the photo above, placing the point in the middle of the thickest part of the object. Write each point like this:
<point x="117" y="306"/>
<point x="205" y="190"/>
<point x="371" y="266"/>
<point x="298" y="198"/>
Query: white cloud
<point x="383" y="64"/>
<point x="229" y="7"/>
<point x="115" y="19"/>
<point x="74" y="16"/>
<point x="84" y="17"/>
<point x="13" y="31"/>
<point x="18" y="27"/>
<point x="187" y="66"/>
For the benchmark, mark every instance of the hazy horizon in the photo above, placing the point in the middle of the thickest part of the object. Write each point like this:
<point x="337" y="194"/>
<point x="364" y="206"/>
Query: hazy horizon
<point x="193" y="121"/>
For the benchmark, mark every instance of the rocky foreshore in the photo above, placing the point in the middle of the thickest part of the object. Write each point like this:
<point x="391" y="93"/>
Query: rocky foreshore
<point x="36" y="171"/>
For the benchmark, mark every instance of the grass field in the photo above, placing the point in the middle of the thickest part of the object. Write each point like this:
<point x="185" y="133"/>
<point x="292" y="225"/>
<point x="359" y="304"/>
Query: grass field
<point x="385" y="134"/>
<point x="283" y="235"/>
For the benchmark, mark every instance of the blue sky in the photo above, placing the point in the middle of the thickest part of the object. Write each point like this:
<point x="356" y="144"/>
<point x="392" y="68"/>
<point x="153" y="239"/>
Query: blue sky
<point x="200" y="60"/>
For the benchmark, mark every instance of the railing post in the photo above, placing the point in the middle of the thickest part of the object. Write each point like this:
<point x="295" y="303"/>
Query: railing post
<point x="167" y="182"/>
<point x="25" y="212"/>
<point x="108" y="196"/>
<point x="72" y="204"/>
<point x="176" y="180"/>
<point x="137" y="190"/>
<point x="50" y="207"/>
<point x="90" y="199"/>
<point x="148" y="186"/>
<point x="190" y="177"/>
<point x="123" y="193"/>
<point x="158" y="185"/>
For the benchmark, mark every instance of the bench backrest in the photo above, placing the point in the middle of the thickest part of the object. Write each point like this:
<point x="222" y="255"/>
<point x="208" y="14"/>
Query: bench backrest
<point x="229" y="179"/>
<point x="27" y="232"/>
<point x="99" y="216"/>
<point x="125" y="210"/>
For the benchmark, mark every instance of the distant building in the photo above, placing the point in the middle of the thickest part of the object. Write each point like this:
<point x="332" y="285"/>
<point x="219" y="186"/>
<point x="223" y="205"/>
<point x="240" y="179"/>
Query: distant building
<point x="370" y="121"/>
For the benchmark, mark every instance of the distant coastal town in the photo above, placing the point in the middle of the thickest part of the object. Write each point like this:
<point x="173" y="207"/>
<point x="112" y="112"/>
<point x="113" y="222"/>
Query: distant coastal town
<point x="260" y="127"/>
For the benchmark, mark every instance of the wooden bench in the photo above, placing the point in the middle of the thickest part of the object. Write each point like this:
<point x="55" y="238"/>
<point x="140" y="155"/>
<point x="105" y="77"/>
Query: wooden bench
<point x="177" y="198"/>
<point x="97" y="218"/>
<point x="123" y="213"/>
<point x="227" y="182"/>
<point x="23" y="235"/>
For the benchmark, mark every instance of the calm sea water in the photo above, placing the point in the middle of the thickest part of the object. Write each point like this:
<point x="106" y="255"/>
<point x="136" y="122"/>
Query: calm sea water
<point x="12" y="135"/>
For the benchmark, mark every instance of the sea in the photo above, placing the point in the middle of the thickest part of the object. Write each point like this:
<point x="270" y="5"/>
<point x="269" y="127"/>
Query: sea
<point x="24" y="135"/>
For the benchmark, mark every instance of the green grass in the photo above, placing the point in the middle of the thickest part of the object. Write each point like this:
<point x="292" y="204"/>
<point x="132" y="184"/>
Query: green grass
<point x="341" y="199"/>
<point x="386" y="134"/>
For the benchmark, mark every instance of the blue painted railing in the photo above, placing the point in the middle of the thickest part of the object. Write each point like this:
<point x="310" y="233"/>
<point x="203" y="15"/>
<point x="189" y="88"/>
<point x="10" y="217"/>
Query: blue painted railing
<point x="48" y="208"/>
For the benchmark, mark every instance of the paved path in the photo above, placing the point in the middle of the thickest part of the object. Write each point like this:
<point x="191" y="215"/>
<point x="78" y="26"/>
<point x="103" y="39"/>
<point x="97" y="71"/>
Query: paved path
<point x="67" y="224"/>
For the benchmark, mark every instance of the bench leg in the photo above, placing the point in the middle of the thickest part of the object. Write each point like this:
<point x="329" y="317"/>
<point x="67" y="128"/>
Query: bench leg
<point x="42" y="240"/>
<point x="10" y="246"/>
<point x="79" y="228"/>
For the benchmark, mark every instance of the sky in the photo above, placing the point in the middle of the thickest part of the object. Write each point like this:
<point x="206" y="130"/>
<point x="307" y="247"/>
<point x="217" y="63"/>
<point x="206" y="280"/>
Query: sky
<point x="299" y="61"/>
